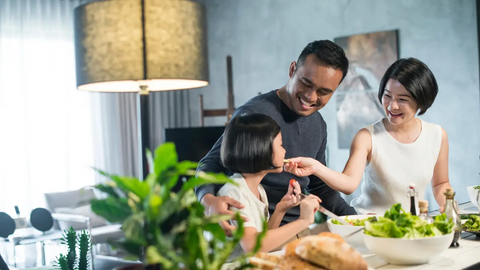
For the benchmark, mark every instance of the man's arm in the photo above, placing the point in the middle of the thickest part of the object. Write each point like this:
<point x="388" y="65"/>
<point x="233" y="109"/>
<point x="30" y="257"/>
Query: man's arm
<point x="211" y="163"/>
<point x="331" y="199"/>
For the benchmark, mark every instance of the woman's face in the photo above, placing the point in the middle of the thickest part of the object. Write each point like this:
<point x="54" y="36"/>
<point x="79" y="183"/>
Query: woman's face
<point x="398" y="104"/>
<point x="278" y="153"/>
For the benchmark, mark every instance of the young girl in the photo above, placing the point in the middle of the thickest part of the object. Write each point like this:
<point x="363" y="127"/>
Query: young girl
<point x="395" y="151"/>
<point x="252" y="148"/>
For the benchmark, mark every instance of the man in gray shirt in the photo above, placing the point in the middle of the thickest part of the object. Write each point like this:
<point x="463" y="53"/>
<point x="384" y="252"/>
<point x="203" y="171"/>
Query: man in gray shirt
<point x="313" y="79"/>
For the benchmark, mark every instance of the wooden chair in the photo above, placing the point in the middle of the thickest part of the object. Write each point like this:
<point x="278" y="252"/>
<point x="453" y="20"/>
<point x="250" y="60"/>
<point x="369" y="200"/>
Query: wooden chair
<point x="228" y="112"/>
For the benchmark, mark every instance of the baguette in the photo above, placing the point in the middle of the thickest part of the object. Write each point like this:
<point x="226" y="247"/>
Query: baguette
<point x="295" y="263"/>
<point x="268" y="257"/>
<point x="289" y="249"/>
<point x="332" y="235"/>
<point x="330" y="253"/>
<point x="262" y="264"/>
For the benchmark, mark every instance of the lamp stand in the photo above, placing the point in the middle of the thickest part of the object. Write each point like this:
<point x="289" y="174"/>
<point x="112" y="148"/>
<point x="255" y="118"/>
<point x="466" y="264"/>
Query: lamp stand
<point x="143" y="127"/>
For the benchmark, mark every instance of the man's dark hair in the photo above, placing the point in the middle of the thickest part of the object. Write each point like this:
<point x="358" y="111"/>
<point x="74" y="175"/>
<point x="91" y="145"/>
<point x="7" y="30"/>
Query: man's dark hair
<point x="247" y="145"/>
<point x="327" y="53"/>
<point x="416" y="77"/>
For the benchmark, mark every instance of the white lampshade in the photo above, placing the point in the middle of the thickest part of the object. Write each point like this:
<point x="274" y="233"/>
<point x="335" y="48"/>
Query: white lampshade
<point x="121" y="45"/>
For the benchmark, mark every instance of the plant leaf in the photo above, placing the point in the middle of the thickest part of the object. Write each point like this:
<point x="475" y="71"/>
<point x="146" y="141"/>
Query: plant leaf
<point x="153" y="207"/>
<point x="107" y="189"/>
<point x="153" y="256"/>
<point x="128" y="184"/>
<point x="151" y="164"/>
<point x="133" y="228"/>
<point x="165" y="157"/>
<point x="151" y="180"/>
<point x="206" y="178"/>
<point x="186" y="167"/>
<point x="133" y="248"/>
<point x="112" y="209"/>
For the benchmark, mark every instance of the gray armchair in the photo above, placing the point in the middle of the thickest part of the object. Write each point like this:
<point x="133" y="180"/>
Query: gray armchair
<point x="72" y="208"/>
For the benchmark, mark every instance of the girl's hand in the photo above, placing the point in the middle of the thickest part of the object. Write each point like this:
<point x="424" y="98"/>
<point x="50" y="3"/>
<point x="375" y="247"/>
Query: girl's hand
<point x="291" y="199"/>
<point x="301" y="166"/>
<point x="308" y="207"/>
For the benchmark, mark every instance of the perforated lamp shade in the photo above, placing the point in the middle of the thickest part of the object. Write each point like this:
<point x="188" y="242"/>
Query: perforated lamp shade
<point x="120" y="45"/>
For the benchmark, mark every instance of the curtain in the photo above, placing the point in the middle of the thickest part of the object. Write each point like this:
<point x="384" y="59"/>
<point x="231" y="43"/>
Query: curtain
<point x="46" y="124"/>
<point x="52" y="134"/>
<point x="115" y="127"/>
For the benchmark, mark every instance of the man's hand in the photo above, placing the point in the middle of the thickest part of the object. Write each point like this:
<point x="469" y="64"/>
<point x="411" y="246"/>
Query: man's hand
<point x="221" y="205"/>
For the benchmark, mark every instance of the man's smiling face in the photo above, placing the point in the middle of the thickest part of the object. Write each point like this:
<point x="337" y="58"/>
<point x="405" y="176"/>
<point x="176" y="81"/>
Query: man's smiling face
<point x="311" y="85"/>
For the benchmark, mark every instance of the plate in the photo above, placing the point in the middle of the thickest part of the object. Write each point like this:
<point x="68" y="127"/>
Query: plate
<point x="477" y="233"/>
<point x="464" y="218"/>
<point x="467" y="216"/>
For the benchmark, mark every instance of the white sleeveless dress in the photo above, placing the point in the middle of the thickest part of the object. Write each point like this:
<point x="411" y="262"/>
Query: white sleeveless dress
<point x="394" y="165"/>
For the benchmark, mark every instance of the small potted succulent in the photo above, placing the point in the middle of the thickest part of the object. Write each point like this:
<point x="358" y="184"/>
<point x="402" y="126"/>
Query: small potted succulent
<point x="75" y="242"/>
<point x="165" y="229"/>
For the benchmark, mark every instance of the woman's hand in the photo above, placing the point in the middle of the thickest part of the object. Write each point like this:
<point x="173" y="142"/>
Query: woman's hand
<point x="291" y="199"/>
<point x="301" y="166"/>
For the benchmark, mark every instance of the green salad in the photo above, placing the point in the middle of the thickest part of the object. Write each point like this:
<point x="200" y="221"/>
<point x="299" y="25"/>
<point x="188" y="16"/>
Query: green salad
<point x="355" y="222"/>
<point x="396" y="223"/>
<point x="472" y="224"/>
<point x="467" y="216"/>
<point x="476" y="187"/>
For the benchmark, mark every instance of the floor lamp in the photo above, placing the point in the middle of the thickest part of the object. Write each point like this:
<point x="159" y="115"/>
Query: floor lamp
<point x="140" y="46"/>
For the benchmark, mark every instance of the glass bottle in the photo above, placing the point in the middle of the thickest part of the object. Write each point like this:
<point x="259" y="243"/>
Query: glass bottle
<point x="412" y="193"/>
<point x="423" y="206"/>
<point x="451" y="211"/>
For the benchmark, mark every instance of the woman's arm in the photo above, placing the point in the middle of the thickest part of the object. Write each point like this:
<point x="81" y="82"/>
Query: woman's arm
<point x="440" y="180"/>
<point x="346" y="182"/>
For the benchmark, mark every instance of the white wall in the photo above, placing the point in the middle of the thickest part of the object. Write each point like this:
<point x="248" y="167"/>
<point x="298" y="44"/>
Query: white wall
<point x="264" y="36"/>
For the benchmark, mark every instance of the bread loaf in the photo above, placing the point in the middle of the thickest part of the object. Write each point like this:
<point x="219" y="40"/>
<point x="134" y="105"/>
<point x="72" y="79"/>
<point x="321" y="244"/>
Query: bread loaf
<point x="268" y="257"/>
<point x="263" y="264"/>
<point x="332" y="235"/>
<point x="330" y="253"/>
<point x="289" y="249"/>
<point x="295" y="263"/>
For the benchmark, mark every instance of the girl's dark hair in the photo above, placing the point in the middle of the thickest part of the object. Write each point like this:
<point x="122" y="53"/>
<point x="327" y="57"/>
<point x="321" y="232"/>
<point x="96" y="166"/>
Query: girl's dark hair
<point x="416" y="77"/>
<point x="247" y="145"/>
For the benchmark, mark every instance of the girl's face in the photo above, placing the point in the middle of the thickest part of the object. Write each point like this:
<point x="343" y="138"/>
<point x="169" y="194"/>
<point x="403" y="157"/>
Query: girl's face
<point x="278" y="153"/>
<point x="398" y="104"/>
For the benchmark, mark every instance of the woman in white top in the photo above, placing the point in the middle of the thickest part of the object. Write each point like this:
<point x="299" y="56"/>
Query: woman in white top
<point x="252" y="147"/>
<point x="395" y="151"/>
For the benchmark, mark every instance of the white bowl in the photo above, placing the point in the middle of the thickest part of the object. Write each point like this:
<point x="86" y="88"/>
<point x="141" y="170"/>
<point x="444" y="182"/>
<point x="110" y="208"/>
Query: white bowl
<point x="343" y="230"/>
<point x="472" y="194"/>
<point x="408" y="251"/>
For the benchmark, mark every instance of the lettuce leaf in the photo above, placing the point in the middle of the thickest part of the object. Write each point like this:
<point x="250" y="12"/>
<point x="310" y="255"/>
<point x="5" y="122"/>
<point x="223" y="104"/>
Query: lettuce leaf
<point x="396" y="223"/>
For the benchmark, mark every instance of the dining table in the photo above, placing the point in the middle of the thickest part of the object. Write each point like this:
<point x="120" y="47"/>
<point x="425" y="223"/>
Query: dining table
<point x="466" y="256"/>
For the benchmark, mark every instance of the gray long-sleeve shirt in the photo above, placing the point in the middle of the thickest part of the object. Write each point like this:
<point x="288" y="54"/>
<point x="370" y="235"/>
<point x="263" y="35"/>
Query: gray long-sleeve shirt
<point x="302" y="136"/>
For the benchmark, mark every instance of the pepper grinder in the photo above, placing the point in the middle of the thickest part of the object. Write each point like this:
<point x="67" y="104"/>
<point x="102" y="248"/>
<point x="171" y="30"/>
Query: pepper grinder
<point x="451" y="212"/>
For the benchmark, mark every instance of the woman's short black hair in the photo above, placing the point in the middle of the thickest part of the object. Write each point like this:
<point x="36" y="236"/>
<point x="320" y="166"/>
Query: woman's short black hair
<point x="416" y="77"/>
<point x="247" y="145"/>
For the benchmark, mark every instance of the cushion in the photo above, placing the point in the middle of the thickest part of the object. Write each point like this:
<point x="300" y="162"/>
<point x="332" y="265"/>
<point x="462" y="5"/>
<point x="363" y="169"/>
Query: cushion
<point x="86" y="211"/>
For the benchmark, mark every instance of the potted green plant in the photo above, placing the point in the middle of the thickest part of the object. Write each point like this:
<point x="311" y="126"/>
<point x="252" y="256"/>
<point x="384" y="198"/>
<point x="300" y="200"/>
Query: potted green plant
<point x="166" y="228"/>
